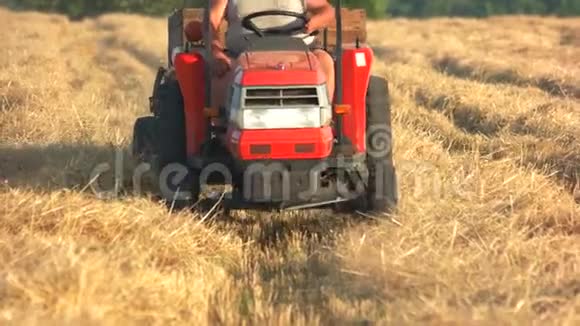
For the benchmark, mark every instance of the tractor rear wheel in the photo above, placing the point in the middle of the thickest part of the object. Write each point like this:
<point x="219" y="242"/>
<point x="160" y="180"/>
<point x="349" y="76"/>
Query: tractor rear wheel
<point x="179" y="184"/>
<point x="382" y="189"/>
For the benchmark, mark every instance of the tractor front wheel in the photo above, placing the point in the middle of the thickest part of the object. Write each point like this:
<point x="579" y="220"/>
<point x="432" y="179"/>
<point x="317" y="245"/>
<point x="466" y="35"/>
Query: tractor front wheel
<point x="178" y="183"/>
<point x="382" y="187"/>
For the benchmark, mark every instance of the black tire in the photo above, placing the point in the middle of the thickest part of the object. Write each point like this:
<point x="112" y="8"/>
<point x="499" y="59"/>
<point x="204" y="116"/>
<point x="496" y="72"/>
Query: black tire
<point x="382" y="189"/>
<point x="172" y="153"/>
<point x="154" y="99"/>
<point x="144" y="145"/>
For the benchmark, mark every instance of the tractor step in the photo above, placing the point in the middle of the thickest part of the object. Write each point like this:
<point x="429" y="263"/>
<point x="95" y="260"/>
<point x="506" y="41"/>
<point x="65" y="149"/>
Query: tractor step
<point x="316" y="205"/>
<point x="233" y="202"/>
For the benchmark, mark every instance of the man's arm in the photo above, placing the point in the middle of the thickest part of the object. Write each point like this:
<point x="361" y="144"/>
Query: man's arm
<point x="321" y="14"/>
<point x="216" y="15"/>
<point x="222" y="63"/>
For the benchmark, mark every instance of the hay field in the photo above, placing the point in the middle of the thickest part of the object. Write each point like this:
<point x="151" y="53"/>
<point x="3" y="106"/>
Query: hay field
<point x="487" y="125"/>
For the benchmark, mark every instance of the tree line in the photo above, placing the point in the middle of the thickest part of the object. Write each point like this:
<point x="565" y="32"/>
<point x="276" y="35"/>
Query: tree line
<point x="477" y="8"/>
<point x="375" y="8"/>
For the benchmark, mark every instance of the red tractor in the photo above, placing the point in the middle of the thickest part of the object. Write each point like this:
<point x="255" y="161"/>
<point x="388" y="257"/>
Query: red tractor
<point x="280" y="142"/>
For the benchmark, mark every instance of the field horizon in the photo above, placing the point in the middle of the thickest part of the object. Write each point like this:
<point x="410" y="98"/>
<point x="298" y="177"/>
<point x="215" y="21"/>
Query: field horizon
<point x="486" y="116"/>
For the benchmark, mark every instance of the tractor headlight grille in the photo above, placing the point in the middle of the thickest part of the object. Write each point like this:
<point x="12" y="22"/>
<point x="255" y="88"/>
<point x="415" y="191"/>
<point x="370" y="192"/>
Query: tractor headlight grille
<point x="281" y="97"/>
<point x="281" y="107"/>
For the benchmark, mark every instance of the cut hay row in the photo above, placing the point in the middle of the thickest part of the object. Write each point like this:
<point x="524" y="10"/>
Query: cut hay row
<point x="493" y="73"/>
<point x="500" y="122"/>
<point x="523" y="51"/>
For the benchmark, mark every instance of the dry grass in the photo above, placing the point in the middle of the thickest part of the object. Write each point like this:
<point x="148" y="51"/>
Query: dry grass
<point x="525" y="51"/>
<point x="487" y="143"/>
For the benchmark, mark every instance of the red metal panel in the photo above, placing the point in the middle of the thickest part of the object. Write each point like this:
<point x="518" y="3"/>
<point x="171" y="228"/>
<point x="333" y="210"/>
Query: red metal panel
<point x="282" y="77"/>
<point x="190" y="73"/>
<point x="356" y="75"/>
<point x="283" y="143"/>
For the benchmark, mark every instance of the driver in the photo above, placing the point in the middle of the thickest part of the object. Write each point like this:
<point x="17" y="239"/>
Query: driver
<point x="320" y="12"/>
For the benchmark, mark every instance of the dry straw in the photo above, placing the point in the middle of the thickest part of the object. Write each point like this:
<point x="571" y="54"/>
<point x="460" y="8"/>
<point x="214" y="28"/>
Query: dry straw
<point x="486" y="117"/>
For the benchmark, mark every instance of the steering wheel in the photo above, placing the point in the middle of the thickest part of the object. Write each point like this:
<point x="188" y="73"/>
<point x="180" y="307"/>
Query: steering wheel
<point x="247" y="23"/>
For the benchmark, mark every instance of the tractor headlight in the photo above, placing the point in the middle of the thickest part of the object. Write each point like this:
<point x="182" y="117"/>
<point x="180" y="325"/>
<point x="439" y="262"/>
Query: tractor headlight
<point x="282" y="118"/>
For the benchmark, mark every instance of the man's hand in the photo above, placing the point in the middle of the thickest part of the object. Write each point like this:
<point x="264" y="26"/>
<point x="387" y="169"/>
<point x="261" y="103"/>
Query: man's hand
<point x="310" y="27"/>
<point x="321" y="15"/>
<point x="222" y="64"/>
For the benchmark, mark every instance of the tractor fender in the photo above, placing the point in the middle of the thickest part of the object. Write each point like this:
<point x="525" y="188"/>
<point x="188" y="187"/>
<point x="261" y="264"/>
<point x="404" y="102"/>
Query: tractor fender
<point x="190" y="73"/>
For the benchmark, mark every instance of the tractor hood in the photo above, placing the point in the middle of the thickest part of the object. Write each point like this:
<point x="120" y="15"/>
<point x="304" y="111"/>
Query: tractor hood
<point x="279" y="60"/>
<point x="272" y="68"/>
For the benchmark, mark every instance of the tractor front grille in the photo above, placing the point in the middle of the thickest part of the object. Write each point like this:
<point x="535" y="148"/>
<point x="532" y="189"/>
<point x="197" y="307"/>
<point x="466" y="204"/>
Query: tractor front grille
<point x="281" y="97"/>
